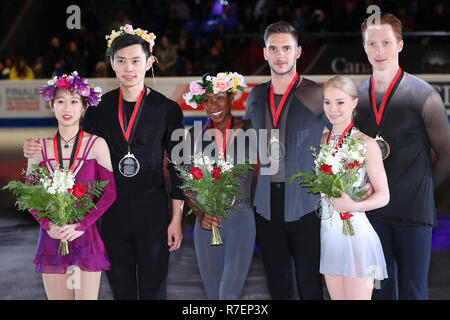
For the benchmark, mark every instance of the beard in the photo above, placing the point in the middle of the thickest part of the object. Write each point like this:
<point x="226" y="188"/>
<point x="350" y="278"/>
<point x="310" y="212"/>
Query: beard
<point x="282" y="73"/>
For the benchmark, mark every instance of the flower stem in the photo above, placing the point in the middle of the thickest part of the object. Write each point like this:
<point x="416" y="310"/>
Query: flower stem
<point x="216" y="239"/>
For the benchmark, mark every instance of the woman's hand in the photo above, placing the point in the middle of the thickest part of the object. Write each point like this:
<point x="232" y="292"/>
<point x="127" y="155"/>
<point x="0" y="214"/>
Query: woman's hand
<point x="344" y="203"/>
<point x="68" y="232"/>
<point x="54" y="232"/>
<point x="207" y="221"/>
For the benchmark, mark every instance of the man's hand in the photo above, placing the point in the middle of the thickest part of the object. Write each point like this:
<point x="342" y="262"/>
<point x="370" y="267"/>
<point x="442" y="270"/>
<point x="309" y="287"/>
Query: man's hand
<point x="32" y="147"/>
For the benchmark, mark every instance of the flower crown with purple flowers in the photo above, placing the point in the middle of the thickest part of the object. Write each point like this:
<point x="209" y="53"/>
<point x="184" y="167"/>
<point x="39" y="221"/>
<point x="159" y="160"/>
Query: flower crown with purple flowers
<point x="73" y="82"/>
<point x="223" y="82"/>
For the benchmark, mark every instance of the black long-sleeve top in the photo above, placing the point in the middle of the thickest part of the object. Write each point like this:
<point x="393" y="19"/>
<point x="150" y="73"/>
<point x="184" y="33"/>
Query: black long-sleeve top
<point x="160" y="116"/>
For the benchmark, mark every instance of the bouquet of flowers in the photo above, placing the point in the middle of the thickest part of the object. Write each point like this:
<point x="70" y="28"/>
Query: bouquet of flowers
<point x="336" y="171"/>
<point x="212" y="187"/>
<point x="56" y="196"/>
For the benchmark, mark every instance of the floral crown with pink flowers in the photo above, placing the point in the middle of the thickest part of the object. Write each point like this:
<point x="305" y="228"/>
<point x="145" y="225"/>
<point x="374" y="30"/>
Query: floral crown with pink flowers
<point x="73" y="82"/>
<point x="222" y="82"/>
<point x="128" y="29"/>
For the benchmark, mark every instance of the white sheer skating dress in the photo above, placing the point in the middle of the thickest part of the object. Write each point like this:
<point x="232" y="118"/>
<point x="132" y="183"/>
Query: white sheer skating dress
<point x="360" y="255"/>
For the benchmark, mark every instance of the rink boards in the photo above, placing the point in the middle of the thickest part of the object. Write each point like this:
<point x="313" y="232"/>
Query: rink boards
<point x="21" y="105"/>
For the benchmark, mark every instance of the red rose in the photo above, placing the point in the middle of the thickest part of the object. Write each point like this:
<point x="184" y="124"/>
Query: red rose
<point x="196" y="173"/>
<point x="356" y="163"/>
<point x="216" y="173"/>
<point x="350" y="166"/>
<point x="78" y="190"/>
<point x="326" y="169"/>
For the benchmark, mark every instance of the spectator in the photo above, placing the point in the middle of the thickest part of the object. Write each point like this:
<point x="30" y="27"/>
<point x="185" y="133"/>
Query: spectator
<point x="229" y="19"/>
<point x="167" y="57"/>
<point x="2" y="67"/>
<point x="181" y="10"/>
<point x="184" y="44"/>
<point x="406" y="19"/>
<point x="440" y="18"/>
<point x="101" y="70"/>
<point x="121" y="20"/>
<point x="52" y="58"/>
<point x="21" y="71"/>
<point x="171" y="25"/>
<point x="248" y="20"/>
<point x="214" y="62"/>
<point x="318" y="22"/>
<point x="73" y="58"/>
<point x="196" y="56"/>
<point x="6" y="68"/>
<point x="298" y="22"/>
<point x="38" y="68"/>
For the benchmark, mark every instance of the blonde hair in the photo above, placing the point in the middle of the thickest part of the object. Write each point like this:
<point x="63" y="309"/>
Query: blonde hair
<point x="344" y="83"/>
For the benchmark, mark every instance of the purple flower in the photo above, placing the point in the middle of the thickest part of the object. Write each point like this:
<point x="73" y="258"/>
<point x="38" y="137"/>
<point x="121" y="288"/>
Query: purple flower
<point x="48" y="92"/>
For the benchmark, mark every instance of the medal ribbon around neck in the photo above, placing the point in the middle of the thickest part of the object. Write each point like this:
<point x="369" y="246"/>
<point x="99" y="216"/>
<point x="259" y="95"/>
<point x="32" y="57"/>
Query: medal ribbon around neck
<point x="349" y="127"/>
<point x="387" y="96"/>
<point x="58" y="152"/>
<point x="127" y="129"/>
<point x="287" y="93"/>
<point x="222" y="144"/>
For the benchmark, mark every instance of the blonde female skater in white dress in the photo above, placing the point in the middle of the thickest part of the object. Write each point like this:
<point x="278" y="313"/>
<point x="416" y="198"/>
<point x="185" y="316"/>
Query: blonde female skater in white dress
<point x="352" y="263"/>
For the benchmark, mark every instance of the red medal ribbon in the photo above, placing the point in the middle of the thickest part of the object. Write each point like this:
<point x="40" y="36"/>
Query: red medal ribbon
<point x="379" y="114"/>
<point x="133" y="116"/>
<point x="77" y="150"/>
<point x="342" y="135"/>
<point x="276" y="115"/>
<point x="219" y="137"/>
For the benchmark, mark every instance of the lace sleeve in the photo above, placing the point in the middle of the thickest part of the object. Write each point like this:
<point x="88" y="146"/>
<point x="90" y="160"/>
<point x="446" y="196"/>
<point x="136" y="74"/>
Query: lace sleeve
<point x="438" y="130"/>
<point x="36" y="160"/>
<point x="104" y="173"/>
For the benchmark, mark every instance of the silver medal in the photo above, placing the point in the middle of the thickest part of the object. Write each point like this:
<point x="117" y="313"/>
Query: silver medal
<point x="129" y="166"/>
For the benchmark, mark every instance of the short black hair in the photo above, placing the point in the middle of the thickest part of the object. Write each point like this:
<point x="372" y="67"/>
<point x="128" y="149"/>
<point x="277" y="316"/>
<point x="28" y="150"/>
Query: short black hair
<point x="127" y="40"/>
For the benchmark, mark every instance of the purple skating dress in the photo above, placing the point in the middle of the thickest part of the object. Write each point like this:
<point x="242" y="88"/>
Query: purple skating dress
<point x="87" y="252"/>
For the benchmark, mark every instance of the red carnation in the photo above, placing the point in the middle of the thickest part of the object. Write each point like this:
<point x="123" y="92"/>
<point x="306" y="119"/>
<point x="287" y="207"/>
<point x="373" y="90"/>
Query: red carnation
<point x="196" y="173"/>
<point x="326" y="169"/>
<point x="78" y="190"/>
<point x="216" y="173"/>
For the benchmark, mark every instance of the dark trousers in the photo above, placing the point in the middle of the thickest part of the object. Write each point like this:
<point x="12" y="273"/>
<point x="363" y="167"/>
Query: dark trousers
<point x="290" y="251"/>
<point x="407" y="251"/>
<point x="138" y="267"/>
<point x="134" y="232"/>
